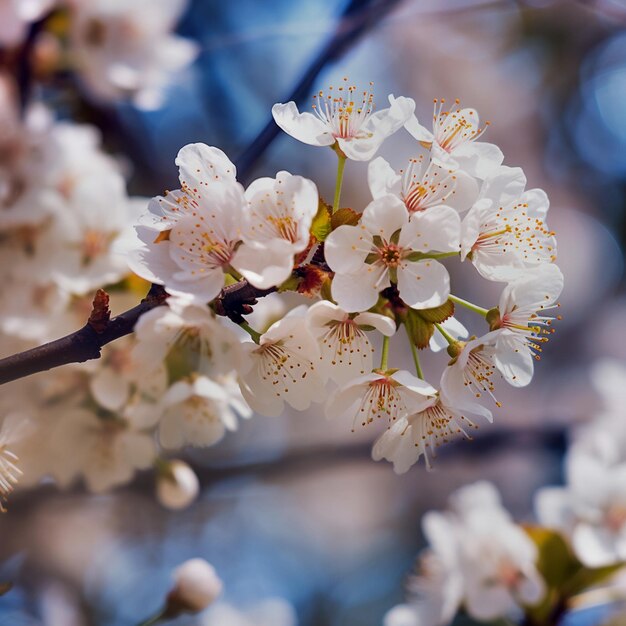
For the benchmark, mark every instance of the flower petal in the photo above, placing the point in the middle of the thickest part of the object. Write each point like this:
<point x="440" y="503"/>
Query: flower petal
<point x="304" y="127"/>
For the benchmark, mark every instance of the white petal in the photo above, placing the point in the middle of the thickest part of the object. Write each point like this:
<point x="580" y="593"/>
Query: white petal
<point x="304" y="127"/>
<point x="383" y="179"/>
<point x="437" y="229"/>
<point x="594" y="545"/>
<point x="381" y="323"/>
<point x="453" y="327"/>
<point x="200" y="165"/>
<point x="109" y="389"/>
<point x="504" y="185"/>
<point x="359" y="291"/>
<point x="346" y="248"/>
<point x="265" y="266"/>
<point x="478" y="158"/>
<point x="514" y="359"/>
<point x="423" y="284"/>
<point x="384" y="216"/>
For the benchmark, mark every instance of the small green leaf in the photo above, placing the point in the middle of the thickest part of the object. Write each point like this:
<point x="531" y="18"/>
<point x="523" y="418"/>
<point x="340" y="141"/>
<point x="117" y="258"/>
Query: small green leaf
<point x="419" y="329"/>
<point x="587" y="577"/>
<point x="344" y="217"/>
<point x="556" y="562"/>
<point x="321" y="227"/>
<point x="438" y="314"/>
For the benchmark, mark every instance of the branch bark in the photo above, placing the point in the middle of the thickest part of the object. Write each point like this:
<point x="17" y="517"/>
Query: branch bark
<point x="86" y="343"/>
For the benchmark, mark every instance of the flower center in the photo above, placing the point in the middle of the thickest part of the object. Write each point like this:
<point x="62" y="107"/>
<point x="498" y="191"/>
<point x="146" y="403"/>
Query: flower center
<point x="615" y="517"/>
<point x="390" y="254"/>
<point x="94" y="243"/>
<point x="285" y="227"/>
<point x="341" y="112"/>
<point x="451" y="128"/>
<point x="381" y="399"/>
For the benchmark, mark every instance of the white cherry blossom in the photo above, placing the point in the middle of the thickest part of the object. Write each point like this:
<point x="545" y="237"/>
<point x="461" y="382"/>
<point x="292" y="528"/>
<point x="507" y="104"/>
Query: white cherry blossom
<point x="199" y="411"/>
<point x="345" y="117"/>
<point x="423" y="185"/>
<point x="470" y="373"/>
<point x="477" y="558"/>
<point x="177" y="484"/>
<point x="368" y="257"/>
<point x="106" y="450"/>
<point x="204" y="344"/>
<point x="283" y="367"/>
<point x="188" y="239"/>
<point x="127" y="49"/>
<point x="388" y="395"/>
<point x="505" y="233"/>
<point x="420" y="434"/>
<point x="590" y="509"/>
<point x="275" y="227"/>
<point x="196" y="586"/>
<point x="345" y="350"/>
<point x="453" y="140"/>
<point x="522" y="323"/>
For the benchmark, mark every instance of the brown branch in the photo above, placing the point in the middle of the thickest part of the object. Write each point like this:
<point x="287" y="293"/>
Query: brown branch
<point x="86" y="343"/>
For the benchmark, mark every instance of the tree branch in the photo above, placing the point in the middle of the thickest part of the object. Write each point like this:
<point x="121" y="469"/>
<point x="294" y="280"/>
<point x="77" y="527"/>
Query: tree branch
<point x="356" y="19"/>
<point x="86" y="343"/>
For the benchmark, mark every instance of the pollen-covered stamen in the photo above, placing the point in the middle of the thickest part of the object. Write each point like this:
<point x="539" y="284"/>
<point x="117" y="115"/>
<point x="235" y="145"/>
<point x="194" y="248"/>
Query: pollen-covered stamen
<point x="390" y="254"/>
<point x="512" y="230"/>
<point x="9" y="474"/>
<point x="478" y="372"/>
<point x="342" y="111"/>
<point x="281" y="366"/>
<point x="435" y="426"/>
<point x="452" y="128"/>
<point x="285" y="226"/>
<point x="94" y="244"/>
<point x="433" y="187"/>
<point x="347" y="342"/>
<point x="380" y="400"/>
<point x="205" y="248"/>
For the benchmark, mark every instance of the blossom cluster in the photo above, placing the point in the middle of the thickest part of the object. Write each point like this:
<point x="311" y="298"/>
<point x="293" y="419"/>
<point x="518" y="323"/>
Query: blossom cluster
<point x="477" y="558"/>
<point x="365" y="273"/>
<point x="194" y="367"/>
<point x="119" y="50"/>
<point x="480" y="561"/>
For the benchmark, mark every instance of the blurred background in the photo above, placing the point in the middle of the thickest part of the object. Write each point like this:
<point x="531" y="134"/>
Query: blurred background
<point x="294" y="507"/>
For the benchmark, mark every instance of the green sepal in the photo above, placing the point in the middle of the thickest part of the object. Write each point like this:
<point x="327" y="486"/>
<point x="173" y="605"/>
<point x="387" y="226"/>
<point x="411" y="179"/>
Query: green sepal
<point x="321" y="225"/>
<point x="344" y="217"/>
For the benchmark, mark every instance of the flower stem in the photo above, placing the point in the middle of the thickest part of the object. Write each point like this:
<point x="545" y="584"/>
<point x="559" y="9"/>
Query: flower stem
<point x="256" y="336"/>
<point x="341" y="163"/>
<point x="155" y="619"/>
<point x="469" y="305"/>
<point x="441" y="255"/>
<point x="385" y="354"/>
<point x="416" y="358"/>
<point x="449" y="338"/>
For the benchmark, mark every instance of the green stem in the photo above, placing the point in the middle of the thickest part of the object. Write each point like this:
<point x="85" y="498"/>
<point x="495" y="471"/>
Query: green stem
<point x="341" y="163"/>
<point x="441" y="255"/>
<point x="385" y="354"/>
<point x="256" y="336"/>
<point x="449" y="338"/>
<point x="416" y="358"/>
<point x="469" y="305"/>
<point x="155" y="619"/>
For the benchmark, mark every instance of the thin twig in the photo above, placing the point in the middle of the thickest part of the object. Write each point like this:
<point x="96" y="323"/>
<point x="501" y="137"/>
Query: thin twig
<point x="357" y="18"/>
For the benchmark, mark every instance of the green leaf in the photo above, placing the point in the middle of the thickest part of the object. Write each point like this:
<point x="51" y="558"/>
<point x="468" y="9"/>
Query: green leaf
<point x="321" y="227"/>
<point x="420" y="330"/>
<point x="587" y="577"/>
<point x="438" y="314"/>
<point x="344" y="217"/>
<point x="556" y="562"/>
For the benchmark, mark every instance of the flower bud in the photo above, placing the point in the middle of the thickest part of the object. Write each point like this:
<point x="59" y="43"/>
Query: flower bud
<point x="177" y="485"/>
<point x="197" y="585"/>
